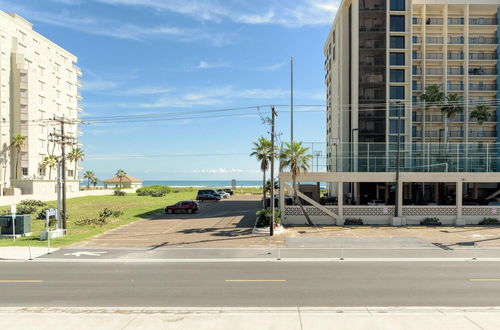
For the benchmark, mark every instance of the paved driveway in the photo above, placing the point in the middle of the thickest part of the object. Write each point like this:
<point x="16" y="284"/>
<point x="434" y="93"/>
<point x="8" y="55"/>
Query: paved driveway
<point x="227" y="223"/>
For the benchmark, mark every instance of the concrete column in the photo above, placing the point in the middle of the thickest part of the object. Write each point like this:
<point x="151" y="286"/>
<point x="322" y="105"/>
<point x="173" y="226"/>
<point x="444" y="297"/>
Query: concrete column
<point x="340" y="203"/>
<point x="460" y="221"/>
<point x="398" y="221"/>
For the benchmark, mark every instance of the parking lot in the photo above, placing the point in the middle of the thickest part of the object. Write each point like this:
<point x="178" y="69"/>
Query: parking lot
<point x="227" y="223"/>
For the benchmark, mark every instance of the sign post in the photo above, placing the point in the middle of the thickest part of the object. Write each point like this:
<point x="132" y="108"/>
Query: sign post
<point x="13" y="210"/>
<point x="50" y="213"/>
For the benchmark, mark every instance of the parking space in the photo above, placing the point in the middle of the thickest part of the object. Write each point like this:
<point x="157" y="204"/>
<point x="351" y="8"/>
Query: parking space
<point x="227" y="223"/>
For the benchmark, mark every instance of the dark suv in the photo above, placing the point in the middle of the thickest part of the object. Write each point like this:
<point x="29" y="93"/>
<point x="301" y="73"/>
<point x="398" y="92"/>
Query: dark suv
<point x="208" y="195"/>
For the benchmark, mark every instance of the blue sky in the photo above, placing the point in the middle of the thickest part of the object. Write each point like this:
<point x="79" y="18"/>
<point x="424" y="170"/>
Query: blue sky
<point x="158" y="56"/>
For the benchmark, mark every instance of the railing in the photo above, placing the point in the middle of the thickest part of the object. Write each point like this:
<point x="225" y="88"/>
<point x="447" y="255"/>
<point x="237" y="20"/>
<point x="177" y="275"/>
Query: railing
<point x="434" y="71"/>
<point x="455" y="40"/>
<point x="416" y="86"/>
<point x="483" y="21"/>
<point x="483" y="87"/>
<point x="416" y="21"/>
<point x="456" y="21"/>
<point x="455" y="71"/>
<point x="373" y="28"/>
<point x="455" y="87"/>
<point x="455" y="56"/>
<point x="416" y="40"/>
<point x="491" y="119"/>
<point x="416" y="55"/>
<point x="456" y="134"/>
<point x="483" y="72"/>
<point x="482" y="134"/>
<point x="483" y="41"/>
<point x="434" y="56"/>
<point x="483" y="56"/>
<point x="416" y="71"/>
<point x="434" y="21"/>
<point x="434" y="40"/>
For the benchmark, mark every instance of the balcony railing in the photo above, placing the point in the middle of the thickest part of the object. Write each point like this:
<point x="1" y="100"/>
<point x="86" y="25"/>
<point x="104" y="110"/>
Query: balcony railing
<point x="455" y="71"/>
<point x="416" y="87"/>
<point x="483" y="87"/>
<point x="482" y="134"/>
<point x="434" y="71"/>
<point x="483" y="21"/>
<point x="372" y="28"/>
<point x="455" y="87"/>
<point x="456" y="21"/>
<point x="483" y="56"/>
<point x="434" y="40"/>
<point x="455" y="40"/>
<point x="483" y="41"/>
<point x="416" y="21"/>
<point x="434" y="56"/>
<point x="455" y="56"/>
<point x="483" y="71"/>
<point x="434" y="21"/>
<point x="456" y="134"/>
<point x="416" y="56"/>
<point x="417" y="40"/>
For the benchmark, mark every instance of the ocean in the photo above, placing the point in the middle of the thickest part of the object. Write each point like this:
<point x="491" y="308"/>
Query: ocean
<point x="195" y="183"/>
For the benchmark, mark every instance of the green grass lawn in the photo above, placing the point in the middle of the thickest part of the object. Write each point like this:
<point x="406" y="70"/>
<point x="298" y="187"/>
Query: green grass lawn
<point x="133" y="207"/>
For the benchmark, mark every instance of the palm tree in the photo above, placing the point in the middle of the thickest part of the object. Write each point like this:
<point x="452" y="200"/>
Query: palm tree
<point x="89" y="175"/>
<point x="433" y="97"/>
<point x="452" y="105"/>
<point x="296" y="157"/>
<point x="50" y="161"/>
<point x="262" y="151"/>
<point x="17" y="143"/>
<point x="481" y="113"/>
<point x="94" y="181"/>
<point x="121" y="174"/>
<point x="76" y="155"/>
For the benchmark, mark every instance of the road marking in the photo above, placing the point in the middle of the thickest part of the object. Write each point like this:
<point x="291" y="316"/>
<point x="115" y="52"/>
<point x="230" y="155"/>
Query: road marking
<point x="255" y="280"/>
<point x="485" y="280"/>
<point x="20" y="281"/>
<point x="85" y="253"/>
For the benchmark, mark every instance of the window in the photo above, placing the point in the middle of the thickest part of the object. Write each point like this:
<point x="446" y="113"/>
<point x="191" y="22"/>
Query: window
<point x="24" y="171"/>
<point x="394" y="139"/>
<point x="70" y="173"/>
<point x="397" y="59"/>
<point x="397" y="92"/>
<point x="41" y="71"/>
<point x="41" y="99"/>
<point x="397" y="75"/>
<point x="398" y="42"/>
<point x="41" y="171"/>
<point x="42" y="86"/>
<point x="394" y="107"/>
<point x="397" y="23"/>
<point x="393" y="126"/>
<point x="398" y="5"/>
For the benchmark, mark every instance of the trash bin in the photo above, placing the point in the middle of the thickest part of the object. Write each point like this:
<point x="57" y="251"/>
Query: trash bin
<point x="23" y="222"/>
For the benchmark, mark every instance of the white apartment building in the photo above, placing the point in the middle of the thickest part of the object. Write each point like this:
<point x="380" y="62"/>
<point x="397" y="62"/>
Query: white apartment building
<point x="38" y="81"/>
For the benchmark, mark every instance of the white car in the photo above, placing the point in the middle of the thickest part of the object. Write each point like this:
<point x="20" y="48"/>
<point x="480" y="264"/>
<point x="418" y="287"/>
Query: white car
<point x="223" y="194"/>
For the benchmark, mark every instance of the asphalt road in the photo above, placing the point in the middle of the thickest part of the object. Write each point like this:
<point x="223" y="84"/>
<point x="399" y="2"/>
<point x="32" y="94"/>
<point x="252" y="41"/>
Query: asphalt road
<point x="287" y="284"/>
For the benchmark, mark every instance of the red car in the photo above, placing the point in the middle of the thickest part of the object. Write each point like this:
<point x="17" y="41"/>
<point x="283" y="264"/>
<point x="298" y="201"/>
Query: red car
<point x="184" y="206"/>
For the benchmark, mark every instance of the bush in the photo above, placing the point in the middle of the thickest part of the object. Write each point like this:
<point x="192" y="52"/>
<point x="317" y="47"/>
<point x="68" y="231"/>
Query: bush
<point x="154" y="191"/>
<point x="41" y="215"/>
<point x="264" y="215"/>
<point x="353" y="222"/>
<point x="33" y="202"/>
<point x="106" y="213"/>
<point x="431" y="222"/>
<point x="25" y="209"/>
<point x="92" y="222"/>
<point x="489" y="221"/>
<point x="119" y="193"/>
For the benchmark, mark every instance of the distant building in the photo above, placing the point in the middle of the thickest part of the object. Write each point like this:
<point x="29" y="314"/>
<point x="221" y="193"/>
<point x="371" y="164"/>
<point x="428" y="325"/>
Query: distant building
<point x="126" y="182"/>
<point x="38" y="80"/>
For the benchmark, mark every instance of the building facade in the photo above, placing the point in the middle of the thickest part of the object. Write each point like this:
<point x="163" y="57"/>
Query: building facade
<point x="39" y="81"/>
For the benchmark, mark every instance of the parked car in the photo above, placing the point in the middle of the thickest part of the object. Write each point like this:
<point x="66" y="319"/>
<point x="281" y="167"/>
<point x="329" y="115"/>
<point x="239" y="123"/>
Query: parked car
<point x="229" y="191"/>
<point x="288" y="200"/>
<point x="223" y="194"/>
<point x="208" y="192"/>
<point x="208" y="196"/>
<point x="183" y="206"/>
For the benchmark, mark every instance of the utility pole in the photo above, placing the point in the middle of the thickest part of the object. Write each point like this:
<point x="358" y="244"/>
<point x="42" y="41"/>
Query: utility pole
<point x="271" y="220"/>
<point x="62" y="139"/>
<point x="291" y="100"/>
<point x="398" y="192"/>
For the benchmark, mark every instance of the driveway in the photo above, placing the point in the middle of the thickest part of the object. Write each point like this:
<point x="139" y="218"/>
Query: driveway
<point x="227" y="223"/>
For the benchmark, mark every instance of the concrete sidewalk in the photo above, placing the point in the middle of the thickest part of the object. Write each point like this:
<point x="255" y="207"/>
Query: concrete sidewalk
<point x="23" y="252"/>
<point x="298" y="318"/>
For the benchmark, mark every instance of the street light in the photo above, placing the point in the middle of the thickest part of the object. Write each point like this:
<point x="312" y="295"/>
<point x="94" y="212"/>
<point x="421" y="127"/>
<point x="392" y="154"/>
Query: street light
<point x="352" y="161"/>
<point x="398" y="192"/>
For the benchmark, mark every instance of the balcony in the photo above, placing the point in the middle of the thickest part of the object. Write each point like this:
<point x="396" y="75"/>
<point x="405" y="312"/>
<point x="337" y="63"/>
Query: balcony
<point x="483" y="21"/>
<point x="482" y="134"/>
<point x="416" y="56"/>
<point x="416" y="86"/>
<point x="491" y="119"/>
<point x="434" y="21"/>
<point x="455" y="56"/>
<point x="79" y="96"/>
<point x="79" y="132"/>
<point x="483" y="87"/>
<point x="434" y="71"/>
<point x="434" y="40"/>
<point x="455" y="87"/>
<point x="456" y="21"/>
<point x="456" y="134"/>
<point x="416" y="40"/>
<point x="77" y="70"/>
<point x="416" y="21"/>
<point x="455" y="40"/>
<point x="482" y="72"/>
<point x="455" y="71"/>
<point x="434" y="56"/>
<point x="79" y="83"/>
<point x="483" y="41"/>
<point x="79" y="108"/>
<point x="373" y="28"/>
<point x="483" y="56"/>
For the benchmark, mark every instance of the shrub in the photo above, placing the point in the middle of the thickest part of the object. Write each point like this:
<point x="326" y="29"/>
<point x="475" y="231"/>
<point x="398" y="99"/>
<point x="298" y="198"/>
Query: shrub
<point x="353" y="222"/>
<point x="25" y="209"/>
<point x="264" y="215"/>
<point x="33" y="202"/>
<point x="154" y="191"/>
<point x="431" y="221"/>
<point x="41" y="215"/>
<point x="119" y="193"/>
<point x="106" y="213"/>
<point x="489" y="221"/>
<point x="92" y="222"/>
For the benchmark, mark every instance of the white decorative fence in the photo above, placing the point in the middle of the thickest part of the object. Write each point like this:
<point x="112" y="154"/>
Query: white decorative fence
<point x="382" y="215"/>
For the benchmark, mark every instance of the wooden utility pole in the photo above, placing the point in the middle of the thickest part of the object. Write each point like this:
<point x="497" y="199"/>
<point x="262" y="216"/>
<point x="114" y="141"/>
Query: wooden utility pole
<point x="271" y="220"/>
<point x="62" y="139"/>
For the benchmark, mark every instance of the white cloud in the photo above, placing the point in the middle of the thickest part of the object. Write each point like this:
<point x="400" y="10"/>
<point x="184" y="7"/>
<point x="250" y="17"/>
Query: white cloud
<point x="273" y="67"/>
<point x="68" y="2"/>
<point x="280" y="12"/>
<point x="99" y="85"/>
<point x="205" y="65"/>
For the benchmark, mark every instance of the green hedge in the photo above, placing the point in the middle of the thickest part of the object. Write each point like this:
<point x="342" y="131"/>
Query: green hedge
<point x="154" y="191"/>
<point x="264" y="215"/>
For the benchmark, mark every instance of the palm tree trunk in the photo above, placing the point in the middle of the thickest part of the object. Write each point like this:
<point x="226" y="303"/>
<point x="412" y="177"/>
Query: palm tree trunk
<point x="297" y="200"/>
<point x="17" y="163"/>
<point x="76" y="164"/>
<point x="263" y="189"/>
<point x="50" y="173"/>
<point x="88" y="183"/>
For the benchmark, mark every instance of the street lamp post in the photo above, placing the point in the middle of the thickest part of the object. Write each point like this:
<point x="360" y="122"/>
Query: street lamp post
<point x="398" y="192"/>
<point x="352" y="161"/>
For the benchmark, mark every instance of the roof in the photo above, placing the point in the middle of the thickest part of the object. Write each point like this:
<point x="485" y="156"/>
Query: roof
<point x="126" y="178"/>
